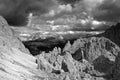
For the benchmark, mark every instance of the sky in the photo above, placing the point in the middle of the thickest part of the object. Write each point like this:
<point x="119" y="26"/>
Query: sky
<point x="101" y="10"/>
<point x="16" y="11"/>
<point x="104" y="10"/>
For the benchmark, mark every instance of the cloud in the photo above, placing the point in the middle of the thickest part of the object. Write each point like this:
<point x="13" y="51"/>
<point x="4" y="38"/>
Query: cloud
<point x="103" y="10"/>
<point x="60" y="9"/>
<point x="68" y="1"/>
<point x="16" y="11"/>
<point x="108" y="11"/>
<point x="91" y="4"/>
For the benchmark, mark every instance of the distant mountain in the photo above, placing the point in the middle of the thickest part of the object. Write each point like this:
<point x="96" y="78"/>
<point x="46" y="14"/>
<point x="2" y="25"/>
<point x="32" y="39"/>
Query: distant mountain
<point x="113" y="33"/>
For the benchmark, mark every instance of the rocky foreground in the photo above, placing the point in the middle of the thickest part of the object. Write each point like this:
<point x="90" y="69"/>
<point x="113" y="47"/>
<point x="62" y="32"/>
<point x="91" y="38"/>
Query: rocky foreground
<point x="16" y="63"/>
<point x="93" y="58"/>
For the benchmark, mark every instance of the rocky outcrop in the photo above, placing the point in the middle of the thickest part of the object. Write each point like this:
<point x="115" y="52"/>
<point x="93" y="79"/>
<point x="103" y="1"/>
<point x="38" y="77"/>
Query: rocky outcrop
<point x="7" y="36"/>
<point x="86" y="59"/>
<point x="16" y="63"/>
<point x="116" y="71"/>
<point x="113" y="34"/>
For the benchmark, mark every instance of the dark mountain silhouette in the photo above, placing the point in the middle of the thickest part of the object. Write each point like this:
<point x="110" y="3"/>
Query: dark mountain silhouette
<point x="113" y="33"/>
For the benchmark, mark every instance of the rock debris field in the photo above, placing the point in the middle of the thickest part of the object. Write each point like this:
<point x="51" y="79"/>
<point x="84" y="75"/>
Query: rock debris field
<point x="93" y="58"/>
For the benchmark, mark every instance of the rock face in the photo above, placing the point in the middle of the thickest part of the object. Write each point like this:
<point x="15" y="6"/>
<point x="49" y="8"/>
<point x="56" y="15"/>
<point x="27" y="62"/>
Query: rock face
<point x="86" y="59"/>
<point x="116" y="71"/>
<point x="7" y="36"/>
<point x="16" y="63"/>
<point x="93" y="58"/>
<point x="113" y="34"/>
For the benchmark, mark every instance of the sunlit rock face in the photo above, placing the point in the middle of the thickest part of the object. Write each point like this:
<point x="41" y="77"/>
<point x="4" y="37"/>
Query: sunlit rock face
<point x="16" y="63"/>
<point x="8" y="36"/>
<point x="94" y="57"/>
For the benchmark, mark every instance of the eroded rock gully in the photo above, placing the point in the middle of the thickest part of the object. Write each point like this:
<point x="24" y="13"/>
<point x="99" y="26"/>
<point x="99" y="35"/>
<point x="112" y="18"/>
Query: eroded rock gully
<point x="94" y="58"/>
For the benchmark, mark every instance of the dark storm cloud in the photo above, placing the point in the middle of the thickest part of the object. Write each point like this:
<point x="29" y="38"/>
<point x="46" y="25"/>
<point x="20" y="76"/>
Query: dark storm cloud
<point x="16" y="11"/>
<point x="42" y="6"/>
<point x="68" y="1"/>
<point x="101" y="10"/>
<point x="108" y="11"/>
